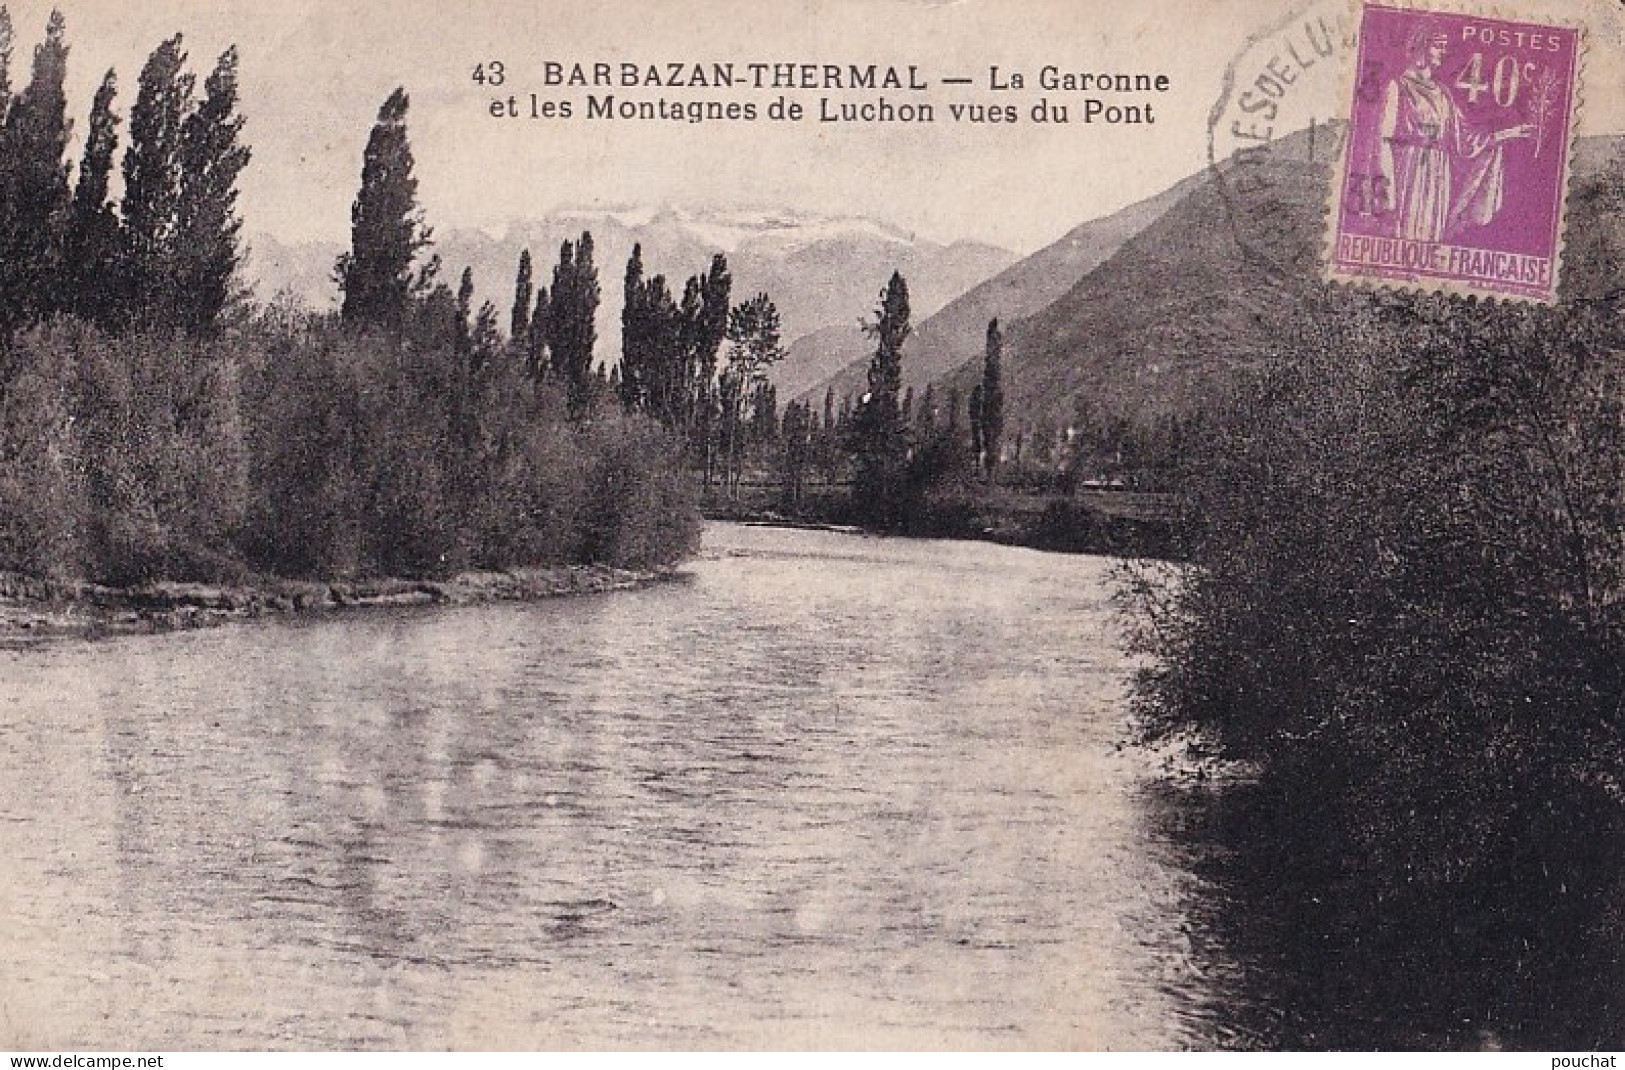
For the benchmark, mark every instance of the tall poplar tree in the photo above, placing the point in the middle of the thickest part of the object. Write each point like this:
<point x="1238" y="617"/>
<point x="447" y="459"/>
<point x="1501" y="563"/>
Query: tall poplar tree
<point x="386" y="228"/>
<point x="571" y="329"/>
<point x="206" y="254"/>
<point x="664" y="372"/>
<point x="635" y="371"/>
<point x="709" y="328"/>
<point x="152" y="181"/>
<point x="978" y="440"/>
<point x="91" y="276"/>
<point x="464" y="334"/>
<point x="688" y="381"/>
<point x="880" y="438"/>
<point x="34" y="183"/>
<point x="993" y="399"/>
<point x="523" y="290"/>
<point x="536" y="336"/>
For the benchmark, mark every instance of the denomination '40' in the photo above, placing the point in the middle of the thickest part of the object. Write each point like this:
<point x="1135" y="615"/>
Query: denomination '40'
<point x="1506" y="78"/>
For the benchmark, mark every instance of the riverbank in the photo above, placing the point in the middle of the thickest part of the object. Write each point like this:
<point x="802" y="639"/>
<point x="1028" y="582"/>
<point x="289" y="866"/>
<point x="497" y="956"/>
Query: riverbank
<point x="33" y="609"/>
<point x="1115" y="523"/>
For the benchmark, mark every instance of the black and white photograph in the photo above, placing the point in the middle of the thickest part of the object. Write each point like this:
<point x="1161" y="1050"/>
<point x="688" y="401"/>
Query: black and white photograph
<point x="812" y="525"/>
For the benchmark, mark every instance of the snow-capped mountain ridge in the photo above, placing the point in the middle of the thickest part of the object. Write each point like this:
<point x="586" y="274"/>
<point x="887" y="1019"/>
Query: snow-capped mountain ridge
<point x="729" y="230"/>
<point x="820" y="271"/>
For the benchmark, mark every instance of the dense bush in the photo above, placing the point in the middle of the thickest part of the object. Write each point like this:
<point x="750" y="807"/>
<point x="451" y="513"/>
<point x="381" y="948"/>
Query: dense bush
<point x="123" y="460"/>
<point x="297" y="448"/>
<point x="42" y="487"/>
<point x="1405" y="610"/>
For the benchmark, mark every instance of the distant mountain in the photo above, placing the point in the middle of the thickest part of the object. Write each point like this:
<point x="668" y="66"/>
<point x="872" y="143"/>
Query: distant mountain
<point x="1180" y="307"/>
<point x="814" y="359"/>
<point x="303" y="272"/>
<point x="956" y="334"/>
<point x="1179" y="303"/>
<point x="820" y="271"/>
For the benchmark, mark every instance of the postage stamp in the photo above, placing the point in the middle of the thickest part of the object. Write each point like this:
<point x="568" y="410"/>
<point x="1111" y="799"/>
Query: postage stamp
<point x="1455" y="162"/>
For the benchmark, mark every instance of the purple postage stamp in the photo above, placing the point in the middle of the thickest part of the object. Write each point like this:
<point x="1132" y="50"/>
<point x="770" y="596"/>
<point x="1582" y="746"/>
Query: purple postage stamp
<point x="1456" y="160"/>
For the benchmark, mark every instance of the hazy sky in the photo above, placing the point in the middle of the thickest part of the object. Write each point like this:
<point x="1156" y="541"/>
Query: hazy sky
<point x="314" y="72"/>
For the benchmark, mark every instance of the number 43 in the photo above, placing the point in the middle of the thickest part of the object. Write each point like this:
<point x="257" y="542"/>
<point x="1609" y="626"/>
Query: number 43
<point x="492" y="73"/>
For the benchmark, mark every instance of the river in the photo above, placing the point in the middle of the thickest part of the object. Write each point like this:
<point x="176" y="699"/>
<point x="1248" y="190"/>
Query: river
<point x="821" y="790"/>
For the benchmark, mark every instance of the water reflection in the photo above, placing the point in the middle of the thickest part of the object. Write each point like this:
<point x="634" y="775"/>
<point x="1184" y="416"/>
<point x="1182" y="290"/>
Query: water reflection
<point x="827" y="791"/>
<point x="830" y="791"/>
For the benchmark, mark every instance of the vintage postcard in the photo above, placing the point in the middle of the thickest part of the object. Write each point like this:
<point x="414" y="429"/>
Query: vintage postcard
<point x="811" y="524"/>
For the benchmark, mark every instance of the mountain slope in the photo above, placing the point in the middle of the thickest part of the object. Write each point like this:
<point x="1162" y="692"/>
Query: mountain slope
<point x="1180" y="308"/>
<point x="943" y="341"/>
<point x="1179" y="304"/>
<point x="815" y="358"/>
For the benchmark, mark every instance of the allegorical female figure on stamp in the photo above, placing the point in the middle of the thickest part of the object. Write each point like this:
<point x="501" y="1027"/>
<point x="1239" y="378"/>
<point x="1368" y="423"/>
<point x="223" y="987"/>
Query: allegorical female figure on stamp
<point x="1439" y="175"/>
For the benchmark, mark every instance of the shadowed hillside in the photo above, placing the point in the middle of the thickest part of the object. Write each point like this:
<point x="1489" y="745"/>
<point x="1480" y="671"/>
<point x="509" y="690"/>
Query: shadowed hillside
<point x="1181" y="302"/>
<point x="1181" y="306"/>
<point x="954" y="335"/>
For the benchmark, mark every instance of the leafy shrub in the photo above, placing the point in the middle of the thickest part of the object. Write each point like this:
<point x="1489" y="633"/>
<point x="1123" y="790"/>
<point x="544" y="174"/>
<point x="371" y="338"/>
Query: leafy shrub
<point x="642" y="510"/>
<point x="1405" y="608"/>
<point x="42" y="491"/>
<point x="296" y="448"/>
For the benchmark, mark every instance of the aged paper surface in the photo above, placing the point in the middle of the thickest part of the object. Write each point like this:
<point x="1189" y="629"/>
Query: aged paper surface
<point x="815" y="793"/>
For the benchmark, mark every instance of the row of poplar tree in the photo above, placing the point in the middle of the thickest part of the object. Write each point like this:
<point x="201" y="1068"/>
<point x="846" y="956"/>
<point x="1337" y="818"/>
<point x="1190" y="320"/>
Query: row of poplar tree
<point x="157" y="424"/>
<point x="387" y="281"/>
<point x="671" y="366"/>
<point x="167" y="255"/>
<point x="165" y="258"/>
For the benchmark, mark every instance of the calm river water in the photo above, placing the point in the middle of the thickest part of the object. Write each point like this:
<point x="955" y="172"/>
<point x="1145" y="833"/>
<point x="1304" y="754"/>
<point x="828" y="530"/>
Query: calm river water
<point x="823" y="790"/>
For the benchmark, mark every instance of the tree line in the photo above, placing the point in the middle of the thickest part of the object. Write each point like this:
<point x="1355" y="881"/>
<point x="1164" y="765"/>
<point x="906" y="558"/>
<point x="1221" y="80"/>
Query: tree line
<point x="166" y="255"/>
<point x="156" y="274"/>
<point x="906" y="461"/>
<point x="155" y="423"/>
<point x="930" y="462"/>
<point x="1403" y="619"/>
